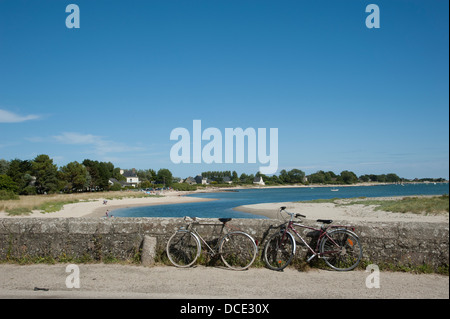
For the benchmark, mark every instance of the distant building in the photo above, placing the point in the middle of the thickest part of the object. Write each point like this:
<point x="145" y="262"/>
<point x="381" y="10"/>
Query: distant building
<point x="190" y="180"/>
<point x="113" y="181"/>
<point x="201" y="180"/>
<point x="258" y="180"/>
<point x="227" y="179"/>
<point x="131" y="177"/>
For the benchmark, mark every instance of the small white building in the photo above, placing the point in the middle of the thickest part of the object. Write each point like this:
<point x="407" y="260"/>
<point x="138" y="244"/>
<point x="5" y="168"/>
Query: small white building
<point x="258" y="180"/>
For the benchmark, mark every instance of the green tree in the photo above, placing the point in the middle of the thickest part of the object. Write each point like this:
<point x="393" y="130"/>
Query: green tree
<point x="74" y="175"/>
<point x="296" y="176"/>
<point x="100" y="173"/>
<point x="20" y="172"/>
<point x="348" y="177"/>
<point x="235" y="177"/>
<point x="147" y="175"/>
<point x="7" y="184"/>
<point x="118" y="176"/>
<point x="164" y="176"/>
<point x="284" y="177"/>
<point x="392" y="178"/>
<point x="364" y="178"/>
<point x="46" y="174"/>
<point x="105" y="170"/>
<point x="4" y="166"/>
<point x="317" y="178"/>
<point x="246" y="179"/>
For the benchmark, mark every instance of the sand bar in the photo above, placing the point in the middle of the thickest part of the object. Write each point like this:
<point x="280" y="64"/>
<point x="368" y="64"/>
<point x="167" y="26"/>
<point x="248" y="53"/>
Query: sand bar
<point x="356" y="212"/>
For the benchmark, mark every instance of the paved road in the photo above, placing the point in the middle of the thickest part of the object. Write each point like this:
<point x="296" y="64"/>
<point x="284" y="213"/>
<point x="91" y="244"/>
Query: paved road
<point x="128" y="281"/>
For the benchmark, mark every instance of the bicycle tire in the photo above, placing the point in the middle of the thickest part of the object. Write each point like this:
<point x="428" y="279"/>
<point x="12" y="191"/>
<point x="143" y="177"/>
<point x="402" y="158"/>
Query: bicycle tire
<point x="279" y="251"/>
<point x="183" y="248"/>
<point x="238" y="250"/>
<point x="346" y="248"/>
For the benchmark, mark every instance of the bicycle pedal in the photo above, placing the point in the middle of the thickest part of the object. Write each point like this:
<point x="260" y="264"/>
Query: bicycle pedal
<point x="310" y="258"/>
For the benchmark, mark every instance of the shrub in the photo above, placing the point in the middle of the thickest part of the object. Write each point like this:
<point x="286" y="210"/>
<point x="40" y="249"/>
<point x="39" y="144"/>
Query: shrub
<point x="8" y="195"/>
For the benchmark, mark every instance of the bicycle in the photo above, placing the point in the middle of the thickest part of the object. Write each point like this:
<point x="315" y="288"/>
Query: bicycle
<point x="237" y="249"/>
<point x="338" y="246"/>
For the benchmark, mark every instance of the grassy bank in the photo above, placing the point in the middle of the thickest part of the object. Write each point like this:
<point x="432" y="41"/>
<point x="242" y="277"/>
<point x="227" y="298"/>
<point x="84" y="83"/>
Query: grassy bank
<point x="409" y="204"/>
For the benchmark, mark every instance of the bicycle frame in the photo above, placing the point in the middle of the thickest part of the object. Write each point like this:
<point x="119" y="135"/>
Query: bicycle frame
<point x="322" y="233"/>
<point x="213" y="251"/>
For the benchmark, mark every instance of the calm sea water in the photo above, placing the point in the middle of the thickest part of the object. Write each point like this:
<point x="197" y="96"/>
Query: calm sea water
<point x="223" y="207"/>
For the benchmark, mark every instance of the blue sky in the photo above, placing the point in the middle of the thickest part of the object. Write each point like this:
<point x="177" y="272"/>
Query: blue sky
<point x="343" y="97"/>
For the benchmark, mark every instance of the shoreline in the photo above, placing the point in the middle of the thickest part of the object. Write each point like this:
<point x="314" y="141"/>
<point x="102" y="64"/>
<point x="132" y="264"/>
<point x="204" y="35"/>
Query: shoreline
<point x="101" y="211"/>
<point x="96" y="209"/>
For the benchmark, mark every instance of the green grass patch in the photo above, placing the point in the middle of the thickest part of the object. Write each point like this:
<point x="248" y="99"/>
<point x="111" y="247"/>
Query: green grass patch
<point x="18" y="211"/>
<point x="413" y="204"/>
<point x="132" y="195"/>
<point x="320" y="201"/>
<point x="51" y="207"/>
<point x="416" y="205"/>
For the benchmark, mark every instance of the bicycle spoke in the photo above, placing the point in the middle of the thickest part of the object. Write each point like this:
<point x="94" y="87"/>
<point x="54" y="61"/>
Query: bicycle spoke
<point x="341" y="250"/>
<point x="182" y="249"/>
<point x="279" y="251"/>
<point x="238" y="250"/>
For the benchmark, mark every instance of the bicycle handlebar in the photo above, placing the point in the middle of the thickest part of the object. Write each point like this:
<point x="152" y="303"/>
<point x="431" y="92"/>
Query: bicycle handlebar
<point x="283" y="208"/>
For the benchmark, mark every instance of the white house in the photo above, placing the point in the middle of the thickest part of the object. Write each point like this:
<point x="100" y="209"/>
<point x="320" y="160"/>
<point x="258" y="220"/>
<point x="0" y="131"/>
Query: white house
<point x="131" y="176"/>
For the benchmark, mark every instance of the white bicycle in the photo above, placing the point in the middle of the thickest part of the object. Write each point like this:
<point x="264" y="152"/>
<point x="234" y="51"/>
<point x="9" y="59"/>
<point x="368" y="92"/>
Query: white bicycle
<point x="236" y="248"/>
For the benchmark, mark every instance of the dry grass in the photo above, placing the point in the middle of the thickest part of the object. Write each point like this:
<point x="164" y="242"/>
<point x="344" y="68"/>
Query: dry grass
<point x="48" y="203"/>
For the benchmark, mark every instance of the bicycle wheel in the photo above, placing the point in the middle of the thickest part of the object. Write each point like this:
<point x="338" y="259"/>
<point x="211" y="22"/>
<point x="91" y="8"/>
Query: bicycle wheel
<point x="183" y="248"/>
<point x="238" y="250"/>
<point x="279" y="251"/>
<point x="341" y="250"/>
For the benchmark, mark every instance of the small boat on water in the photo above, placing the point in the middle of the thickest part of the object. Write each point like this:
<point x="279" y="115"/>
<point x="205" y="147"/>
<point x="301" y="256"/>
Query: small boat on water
<point x="335" y="189"/>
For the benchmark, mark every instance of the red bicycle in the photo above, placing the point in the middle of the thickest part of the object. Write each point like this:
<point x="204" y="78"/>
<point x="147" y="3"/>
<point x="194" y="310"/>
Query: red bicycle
<point x="338" y="246"/>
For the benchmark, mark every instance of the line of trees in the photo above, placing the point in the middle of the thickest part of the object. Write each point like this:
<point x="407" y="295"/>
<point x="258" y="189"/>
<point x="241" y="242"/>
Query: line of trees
<point x="297" y="176"/>
<point x="42" y="176"/>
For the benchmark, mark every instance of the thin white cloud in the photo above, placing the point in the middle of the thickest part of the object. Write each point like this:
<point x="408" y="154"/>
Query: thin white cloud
<point x="100" y="145"/>
<point x="10" y="117"/>
<point x="77" y="138"/>
<point x="375" y="163"/>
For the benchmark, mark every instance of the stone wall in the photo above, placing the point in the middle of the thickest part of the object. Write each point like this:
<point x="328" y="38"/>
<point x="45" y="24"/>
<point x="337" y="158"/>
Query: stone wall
<point x="401" y="243"/>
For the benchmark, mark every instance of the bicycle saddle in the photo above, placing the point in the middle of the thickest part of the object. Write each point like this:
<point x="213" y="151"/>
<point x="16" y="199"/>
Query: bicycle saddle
<point x="224" y="220"/>
<point x="325" y="221"/>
